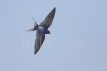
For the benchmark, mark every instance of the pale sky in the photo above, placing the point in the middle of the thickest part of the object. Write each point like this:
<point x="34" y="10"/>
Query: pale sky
<point x="78" y="39"/>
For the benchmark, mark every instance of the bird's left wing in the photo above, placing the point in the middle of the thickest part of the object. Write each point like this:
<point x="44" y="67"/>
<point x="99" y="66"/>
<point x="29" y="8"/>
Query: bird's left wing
<point x="40" y="37"/>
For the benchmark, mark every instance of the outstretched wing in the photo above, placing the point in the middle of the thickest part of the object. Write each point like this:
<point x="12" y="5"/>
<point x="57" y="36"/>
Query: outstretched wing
<point x="48" y="20"/>
<point x="39" y="41"/>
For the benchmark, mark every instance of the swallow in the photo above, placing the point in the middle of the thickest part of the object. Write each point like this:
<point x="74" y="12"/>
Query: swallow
<point x="42" y="29"/>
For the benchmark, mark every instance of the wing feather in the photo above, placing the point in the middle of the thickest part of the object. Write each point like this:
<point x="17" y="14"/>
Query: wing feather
<point x="48" y="20"/>
<point x="40" y="37"/>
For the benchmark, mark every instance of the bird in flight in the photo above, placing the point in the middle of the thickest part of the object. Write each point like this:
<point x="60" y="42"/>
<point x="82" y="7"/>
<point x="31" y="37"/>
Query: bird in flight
<point x="42" y="29"/>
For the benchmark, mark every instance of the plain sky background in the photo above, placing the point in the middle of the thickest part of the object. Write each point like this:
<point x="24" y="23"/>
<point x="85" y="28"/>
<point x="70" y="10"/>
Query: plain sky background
<point x="78" y="39"/>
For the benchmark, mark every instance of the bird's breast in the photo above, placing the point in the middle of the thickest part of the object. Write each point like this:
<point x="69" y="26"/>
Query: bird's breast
<point x="42" y="29"/>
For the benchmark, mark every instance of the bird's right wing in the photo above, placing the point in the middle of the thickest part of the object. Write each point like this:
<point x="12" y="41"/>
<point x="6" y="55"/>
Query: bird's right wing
<point x="48" y="20"/>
